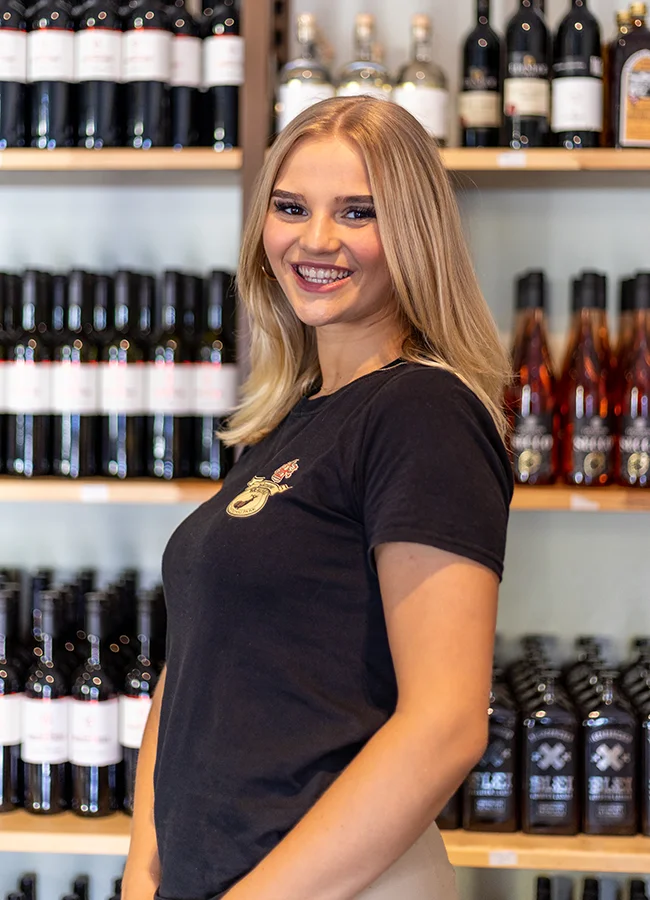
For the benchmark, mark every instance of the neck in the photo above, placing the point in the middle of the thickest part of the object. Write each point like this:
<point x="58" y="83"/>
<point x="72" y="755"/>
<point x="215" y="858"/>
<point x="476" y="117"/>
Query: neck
<point x="94" y="657"/>
<point x="3" y="646"/>
<point x="483" y="11"/>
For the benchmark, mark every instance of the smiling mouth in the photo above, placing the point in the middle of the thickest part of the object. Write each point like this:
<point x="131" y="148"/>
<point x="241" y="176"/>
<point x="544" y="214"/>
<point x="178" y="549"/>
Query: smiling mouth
<point x="322" y="276"/>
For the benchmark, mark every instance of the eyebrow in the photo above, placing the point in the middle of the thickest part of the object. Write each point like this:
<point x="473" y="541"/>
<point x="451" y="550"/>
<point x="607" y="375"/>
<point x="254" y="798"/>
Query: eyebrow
<point x="355" y="198"/>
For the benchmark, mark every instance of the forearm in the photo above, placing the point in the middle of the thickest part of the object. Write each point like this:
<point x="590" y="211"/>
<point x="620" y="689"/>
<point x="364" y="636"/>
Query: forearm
<point x="370" y="816"/>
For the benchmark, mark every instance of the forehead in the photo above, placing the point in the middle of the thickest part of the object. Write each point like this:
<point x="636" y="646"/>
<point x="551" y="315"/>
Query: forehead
<point x="324" y="166"/>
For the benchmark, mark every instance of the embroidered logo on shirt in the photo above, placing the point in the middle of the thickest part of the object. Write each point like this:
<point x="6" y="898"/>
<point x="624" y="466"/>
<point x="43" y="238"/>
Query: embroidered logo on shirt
<point x="259" y="489"/>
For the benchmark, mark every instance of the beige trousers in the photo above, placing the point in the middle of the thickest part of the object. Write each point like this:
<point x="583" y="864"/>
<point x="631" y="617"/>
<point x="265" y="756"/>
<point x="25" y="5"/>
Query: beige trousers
<point x="423" y="873"/>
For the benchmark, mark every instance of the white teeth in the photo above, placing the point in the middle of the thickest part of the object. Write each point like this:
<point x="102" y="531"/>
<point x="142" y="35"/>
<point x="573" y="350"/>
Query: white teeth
<point x="322" y="276"/>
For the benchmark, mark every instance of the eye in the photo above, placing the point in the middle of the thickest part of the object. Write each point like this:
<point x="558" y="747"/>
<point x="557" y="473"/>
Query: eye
<point x="288" y="208"/>
<point x="359" y="213"/>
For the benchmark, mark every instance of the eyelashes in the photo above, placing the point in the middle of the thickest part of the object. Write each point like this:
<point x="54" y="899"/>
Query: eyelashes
<point x="354" y="213"/>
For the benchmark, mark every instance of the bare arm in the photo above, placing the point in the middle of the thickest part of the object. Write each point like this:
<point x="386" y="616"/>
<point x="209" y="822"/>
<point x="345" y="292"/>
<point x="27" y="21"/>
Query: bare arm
<point x="142" y="872"/>
<point x="440" y="612"/>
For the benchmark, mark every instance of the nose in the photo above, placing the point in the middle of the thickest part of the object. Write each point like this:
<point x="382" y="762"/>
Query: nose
<point x="320" y="234"/>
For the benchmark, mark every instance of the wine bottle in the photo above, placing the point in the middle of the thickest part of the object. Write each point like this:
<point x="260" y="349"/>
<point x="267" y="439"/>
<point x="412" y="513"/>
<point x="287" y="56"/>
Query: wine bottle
<point x="480" y="102"/>
<point x="531" y="396"/>
<point x="13" y="74"/>
<point x="421" y="86"/>
<point x="95" y="752"/>
<point x="122" y="387"/>
<point x="186" y="75"/>
<point x="634" y="423"/>
<point x="215" y="377"/>
<point x="11" y="697"/>
<point x="75" y="384"/>
<point x="98" y="72"/>
<point x="27" y="383"/>
<point x="304" y="81"/>
<point x="50" y="73"/>
<point x="223" y="74"/>
<point x="577" y="99"/>
<point x="146" y="72"/>
<point x="59" y="311"/>
<point x="629" y="97"/>
<point x="45" y="721"/>
<point x="526" y="89"/>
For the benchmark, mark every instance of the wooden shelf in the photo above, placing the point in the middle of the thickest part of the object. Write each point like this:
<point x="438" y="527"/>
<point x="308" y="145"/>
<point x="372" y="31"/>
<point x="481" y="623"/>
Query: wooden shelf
<point x="559" y="497"/>
<point x="105" y="490"/>
<point x="65" y="833"/>
<point x="547" y="160"/>
<point x="122" y="159"/>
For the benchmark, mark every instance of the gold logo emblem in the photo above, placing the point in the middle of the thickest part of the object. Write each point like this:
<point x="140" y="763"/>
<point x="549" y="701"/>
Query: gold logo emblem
<point x="259" y="489"/>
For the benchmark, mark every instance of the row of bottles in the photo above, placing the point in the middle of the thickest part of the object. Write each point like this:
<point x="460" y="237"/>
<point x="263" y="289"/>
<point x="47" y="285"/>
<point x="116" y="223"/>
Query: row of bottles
<point x="591" y="425"/>
<point x="530" y="89"/>
<point x="75" y="695"/>
<point x="567" y="752"/>
<point x="117" y="375"/>
<point x="95" y="76"/>
<point x="589" y="889"/>
<point x="27" y="889"/>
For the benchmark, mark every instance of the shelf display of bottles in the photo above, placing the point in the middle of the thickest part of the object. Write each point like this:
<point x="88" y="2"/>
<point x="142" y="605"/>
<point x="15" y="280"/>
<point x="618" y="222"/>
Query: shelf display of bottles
<point x="27" y="888"/>
<point x="590" y="889"/>
<point x="93" y="76"/>
<point x="119" y="376"/>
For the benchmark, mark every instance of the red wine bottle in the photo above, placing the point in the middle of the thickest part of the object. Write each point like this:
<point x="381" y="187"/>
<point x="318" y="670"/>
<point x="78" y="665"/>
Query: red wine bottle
<point x="11" y="696"/>
<point x="146" y="73"/>
<point x="98" y="71"/>
<point x="50" y="73"/>
<point x="13" y="74"/>
<point x="480" y="101"/>
<point x="186" y="75"/>
<point x="527" y="89"/>
<point x="223" y="62"/>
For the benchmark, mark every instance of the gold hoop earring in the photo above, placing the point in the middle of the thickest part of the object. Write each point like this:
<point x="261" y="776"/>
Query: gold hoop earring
<point x="266" y="274"/>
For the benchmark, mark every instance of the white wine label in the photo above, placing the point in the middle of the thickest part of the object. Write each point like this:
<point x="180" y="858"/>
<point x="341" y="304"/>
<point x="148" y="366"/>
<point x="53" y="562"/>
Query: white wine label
<point x="186" y="61"/>
<point x="93" y="733"/>
<point x="479" y="109"/>
<point x="223" y="60"/>
<point x="296" y="97"/>
<point x="75" y="388"/>
<point x="27" y="388"/>
<point x="98" y="55"/>
<point x="430" y="106"/>
<point x="133" y="712"/>
<point x="577" y="104"/>
<point x="353" y="89"/>
<point x="13" y="55"/>
<point x="169" y="388"/>
<point x="50" y="55"/>
<point x="122" y="388"/>
<point x="147" y="54"/>
<point x="11" y="707"/>
<point x="635" y="101"/>
<point x="215" y="388"/>
<point x="45" y="730"/>
<point x="523" y="97"/>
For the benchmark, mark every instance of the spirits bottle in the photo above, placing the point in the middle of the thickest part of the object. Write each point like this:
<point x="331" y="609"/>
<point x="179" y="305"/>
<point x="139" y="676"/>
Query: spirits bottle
<point x="480" y="102"/>
<point x="422" y="85"/>
<point x="303" y="81"/>
<point x="630" y="95"/>
<point x="364" y="76"/>
<point x="633" y="463"/>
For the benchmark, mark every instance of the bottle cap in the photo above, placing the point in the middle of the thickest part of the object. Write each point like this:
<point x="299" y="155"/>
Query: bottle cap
<point x="591" y="889"/>
<point x="590" y="291"/>
<point x="421" y="22"/>
<point x="625" y="295"/>
<point x="543" y="891"/>
<point x="639" y="9"/>
<point x="365" y="20"/>
<point x="532" y="291"/>
<point x="638" y="890"/>
<point x="640" y="291"/>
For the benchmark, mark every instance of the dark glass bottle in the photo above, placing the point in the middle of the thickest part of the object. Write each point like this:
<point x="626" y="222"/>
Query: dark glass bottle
<point x="527" y="89"/>
<point x="146" y="73"/>
<point x="591" y="889"/>
<point x="27" y="885"/>
<point x="480" y="102"/>
<point x="543" y="888"/>
<point x="577" y="99"/>
<point x="122" y="387"/>
<point x="644" y="751"/>
<point x="586" y="420"/>
<point x="29" y="421"/>
<point x="633" y="463"/>
<point x="81" y="887"/>
<point x="45" y="721"/>
<point x="13" y="73"/>
<point x="95" y="752"/>
<point x="75" y="386"/>
<point x="59" y="311"/>
<point x="170" y="404"/>
<point x="223" y="66"/>
<point x="629" y="97"/>
<point x="10" y="315"/>
<point x="50" y="73"/>
<point x="638" y="890"/>
<point x="136" y="696"/>
<point x="531" y="399"/>
<point x="98" y="61"/>
<point x="186" y="77"/>
<point x="11" y="696"/>
<point x="216" y="377"/>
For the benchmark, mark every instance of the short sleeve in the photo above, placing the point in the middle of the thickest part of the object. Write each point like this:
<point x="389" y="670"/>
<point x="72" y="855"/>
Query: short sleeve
<point x="433" y="469"/>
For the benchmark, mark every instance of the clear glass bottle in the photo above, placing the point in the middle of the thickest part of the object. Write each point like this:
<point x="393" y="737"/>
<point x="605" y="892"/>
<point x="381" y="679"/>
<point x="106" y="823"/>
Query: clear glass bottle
<point x="364" y="75"/>
<point x="303" y="81"/>
<point x="422" y="85"/>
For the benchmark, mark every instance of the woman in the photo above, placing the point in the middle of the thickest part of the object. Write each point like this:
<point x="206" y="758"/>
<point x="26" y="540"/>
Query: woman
<point x="332" y="610"/>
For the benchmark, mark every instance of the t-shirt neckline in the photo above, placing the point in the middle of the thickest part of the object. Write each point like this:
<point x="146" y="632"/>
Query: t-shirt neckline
<point x="305" y="406"/>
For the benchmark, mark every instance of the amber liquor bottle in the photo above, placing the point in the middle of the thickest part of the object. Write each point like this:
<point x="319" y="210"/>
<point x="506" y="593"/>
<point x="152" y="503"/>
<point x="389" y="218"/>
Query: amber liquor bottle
<point x="586" y="416"/>
<point x="633" y="459"/>
<point x="630" y="96"/>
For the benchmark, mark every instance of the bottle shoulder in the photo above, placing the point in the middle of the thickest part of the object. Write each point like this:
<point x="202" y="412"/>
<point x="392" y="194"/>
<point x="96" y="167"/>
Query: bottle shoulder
<point x="309" y="70"/>
<point x="422" y="74"/>
<point x="361" y="70"/>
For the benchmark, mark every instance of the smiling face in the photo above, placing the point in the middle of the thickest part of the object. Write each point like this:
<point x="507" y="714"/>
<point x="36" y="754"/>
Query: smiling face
<point x="322" y="240"/>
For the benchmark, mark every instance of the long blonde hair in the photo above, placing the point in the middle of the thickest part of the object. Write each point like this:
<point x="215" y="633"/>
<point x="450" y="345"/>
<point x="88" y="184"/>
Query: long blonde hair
<point x="440" y="304"/>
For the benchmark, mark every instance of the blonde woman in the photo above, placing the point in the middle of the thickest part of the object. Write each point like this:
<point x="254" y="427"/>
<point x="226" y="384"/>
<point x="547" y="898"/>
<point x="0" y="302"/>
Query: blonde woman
<point x="332" y="610"/>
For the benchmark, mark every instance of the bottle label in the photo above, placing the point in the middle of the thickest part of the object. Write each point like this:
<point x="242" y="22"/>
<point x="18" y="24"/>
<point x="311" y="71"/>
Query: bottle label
<point x="491" y="786"/>
<point x="98" y="55"/>
<point x="430" y="106"/>
<point x="524" y="65"/>
<point x="186" y="61"/>
<point x="11" y="706"/>
<point x="577" y="104"/>
<point x="480" y="109"/>
<point x="532" y="447"/>
<point x="75" y="388"/>
<point x="298" y="96"/>
<point x="634" y="444"/>
<point x="551" y="764"/>
<point x="45" y="731"/>
<point x="611" y="776"/>
<point x="215" y="388"/>
<point x="526" y="97"/>
<point x="13" y="55"/>
<point x="635" y="101"/>
<point x="133" y="712"/>
<point x="122" y="388"/>
<point x="169" y="388"/>
<point x="27" y="388"/>
<point x="50" y="55"/>
<point x="353" y="89"/>
<point x="223" y="61"/>
<point x="592" y="447"/>
<point x="147" y="55"/>
<point x="93" y="733"/>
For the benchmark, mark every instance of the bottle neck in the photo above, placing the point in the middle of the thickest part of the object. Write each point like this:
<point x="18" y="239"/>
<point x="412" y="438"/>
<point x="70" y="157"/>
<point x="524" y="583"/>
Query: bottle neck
<point x="308" y="48"/>
<point x="579" y="4"/>
<point x="483" y="12"/>
<point x="422" y="45"/>
<point x="363" y="45"/>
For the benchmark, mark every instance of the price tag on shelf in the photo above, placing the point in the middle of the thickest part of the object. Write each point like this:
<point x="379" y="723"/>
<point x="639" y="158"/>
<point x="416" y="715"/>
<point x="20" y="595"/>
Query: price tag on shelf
<point x="583" y="504"/>
<point x="503" y="859"/>
<point x="515" y="159"/>
<point x="94" y="493"/>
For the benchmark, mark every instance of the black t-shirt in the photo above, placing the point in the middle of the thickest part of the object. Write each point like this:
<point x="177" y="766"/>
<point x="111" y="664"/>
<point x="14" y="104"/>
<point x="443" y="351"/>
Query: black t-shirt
<point x="278" y="663"/>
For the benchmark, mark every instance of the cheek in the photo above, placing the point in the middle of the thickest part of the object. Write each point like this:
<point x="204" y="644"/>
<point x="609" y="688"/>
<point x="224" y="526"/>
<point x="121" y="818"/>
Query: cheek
<point x="369" y="253"/>
<point x="276" y="238"/>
